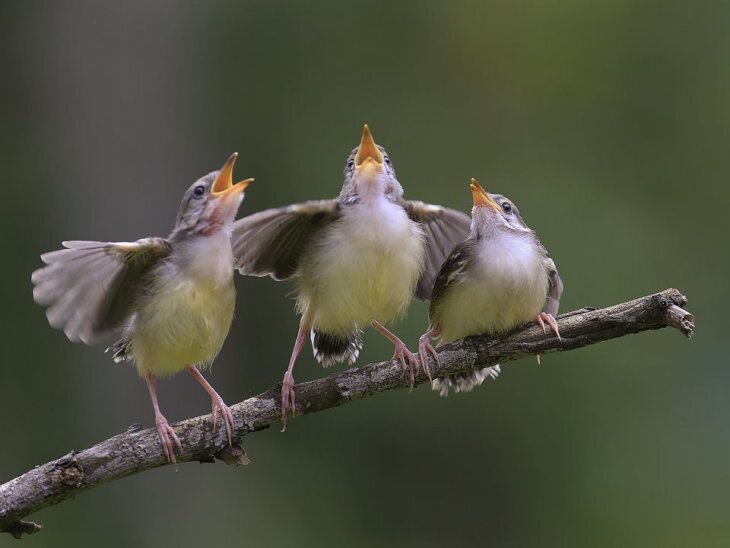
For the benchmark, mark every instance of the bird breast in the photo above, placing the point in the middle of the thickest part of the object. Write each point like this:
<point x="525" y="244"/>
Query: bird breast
<point x="363" y="268"/>
<point x="505" y="286"/>
<point x="186" y="315"/>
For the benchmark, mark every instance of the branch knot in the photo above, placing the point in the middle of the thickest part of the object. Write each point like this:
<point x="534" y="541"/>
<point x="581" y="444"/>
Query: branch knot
<point x="67" y="472"/>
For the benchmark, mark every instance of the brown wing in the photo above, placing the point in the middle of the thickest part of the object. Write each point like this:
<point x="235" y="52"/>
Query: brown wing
<point x="89" y="287"/>
<point x="271" y="242"/>
<point x="451" y="271"/>
<point x="444" y="228"/>
<point x="555" y="289"/>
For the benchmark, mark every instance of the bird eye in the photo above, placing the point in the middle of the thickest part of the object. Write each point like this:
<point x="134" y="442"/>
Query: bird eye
<point x="350" y="163"/>
<point x="387" y="159"/>
<point x="507" y="207"/>
<point x="198" y="191"/>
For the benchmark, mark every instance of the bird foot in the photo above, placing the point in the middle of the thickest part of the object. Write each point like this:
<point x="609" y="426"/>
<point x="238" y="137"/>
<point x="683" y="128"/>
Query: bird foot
<point x="406" y="358"/>
<point x="168" y="438"/>
<point x="424" y="349"/>
<point x="545" y="318"/>
<point x="219" y="407"/>
<point x="222" y="410"/>
<point x="288" y="399"/>
<point x="408" y="361"/>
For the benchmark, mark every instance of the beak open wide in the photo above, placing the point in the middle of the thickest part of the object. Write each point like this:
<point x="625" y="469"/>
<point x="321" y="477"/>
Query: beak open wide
<point x="368" y="150"/>
<point x="223" y="184"/>
<point x="481" y="197"/>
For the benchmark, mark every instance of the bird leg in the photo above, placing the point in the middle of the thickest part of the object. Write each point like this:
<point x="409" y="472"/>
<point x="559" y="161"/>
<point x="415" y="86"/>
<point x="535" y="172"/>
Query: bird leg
<point x="288" y="399"/>
<point x="218" y="405"/>
<point x="164" y="430"/>
<point x="402" y="354"/>
<point x="546" y="318"/>
<point x="425" y="348"/>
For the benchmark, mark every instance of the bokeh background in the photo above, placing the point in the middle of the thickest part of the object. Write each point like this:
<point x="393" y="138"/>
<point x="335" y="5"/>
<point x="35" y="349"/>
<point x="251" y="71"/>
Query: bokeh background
<point x="607" y="122"/>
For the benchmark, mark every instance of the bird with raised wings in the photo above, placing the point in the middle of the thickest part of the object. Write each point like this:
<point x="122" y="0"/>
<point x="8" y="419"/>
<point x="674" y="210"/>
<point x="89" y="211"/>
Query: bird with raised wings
<point x="173" y="297"/>
<point x="357" y="260"/>
<point x="499" y="278"/>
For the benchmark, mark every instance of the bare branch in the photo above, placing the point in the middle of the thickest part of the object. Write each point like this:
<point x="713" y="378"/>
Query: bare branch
<point x="680" y="319"/>
<point x="137" y="449"/>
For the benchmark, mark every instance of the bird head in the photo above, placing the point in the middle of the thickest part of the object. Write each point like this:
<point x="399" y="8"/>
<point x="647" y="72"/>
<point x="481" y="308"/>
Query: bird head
<point x="494" y="212"/>
<point x="211" y="202"/>
<point x="369" y="172"/>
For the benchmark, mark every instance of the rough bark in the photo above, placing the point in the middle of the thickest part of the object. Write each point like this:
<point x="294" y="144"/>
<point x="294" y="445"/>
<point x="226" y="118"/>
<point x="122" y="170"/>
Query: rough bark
<point x="138" y="449"/>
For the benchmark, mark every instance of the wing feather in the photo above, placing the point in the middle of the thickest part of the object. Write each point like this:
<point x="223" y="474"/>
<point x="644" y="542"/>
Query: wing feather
<point x="555" y="289"/>
<point x="451" y="271"/>
<point x="90" y="287"/>
<point x="271" y="242"/>
<point x="444" y="229"/>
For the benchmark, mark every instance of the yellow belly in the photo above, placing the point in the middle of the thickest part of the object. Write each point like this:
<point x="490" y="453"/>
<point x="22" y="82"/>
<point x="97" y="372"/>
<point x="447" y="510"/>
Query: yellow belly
<point x="479" y="308"/>
<point x="185" y="323"/>
<point x="506" y="287"/>
<point x="365" y="269"/>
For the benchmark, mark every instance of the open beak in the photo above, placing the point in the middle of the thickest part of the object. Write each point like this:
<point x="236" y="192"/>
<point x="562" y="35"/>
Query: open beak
<point x="481" y="198"/>
<point x="368" y="150"/>
<point x="223" y="184"/>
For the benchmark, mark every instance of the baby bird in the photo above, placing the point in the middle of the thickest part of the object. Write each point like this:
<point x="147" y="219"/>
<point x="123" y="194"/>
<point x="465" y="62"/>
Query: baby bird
<point x="172" y="297"/>
<point x="357" y="260"/>
<point x="496" y="280"/>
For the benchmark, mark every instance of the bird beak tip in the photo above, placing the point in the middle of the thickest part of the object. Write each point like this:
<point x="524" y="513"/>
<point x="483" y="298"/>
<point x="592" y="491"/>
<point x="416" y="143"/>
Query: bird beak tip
<point x="481" y="197"/>
<point x="224" y="180"/>
<point x="368" y="148"/>
<point x="244" y="184"/>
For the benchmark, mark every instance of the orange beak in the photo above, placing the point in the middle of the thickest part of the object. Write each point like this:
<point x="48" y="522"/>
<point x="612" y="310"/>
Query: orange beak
<point x="223" y="184"/>
<point x="368" y="150"/>
<point x="481" y="197"/>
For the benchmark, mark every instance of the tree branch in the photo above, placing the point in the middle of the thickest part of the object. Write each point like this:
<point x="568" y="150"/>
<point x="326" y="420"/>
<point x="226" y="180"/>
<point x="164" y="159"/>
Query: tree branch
<point x="137" y="449"/>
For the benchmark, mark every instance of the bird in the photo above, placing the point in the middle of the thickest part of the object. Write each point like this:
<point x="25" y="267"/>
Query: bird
<point x="499" y="278"/>
<point x="172" y="298"/>
<point x="357" y="260"/>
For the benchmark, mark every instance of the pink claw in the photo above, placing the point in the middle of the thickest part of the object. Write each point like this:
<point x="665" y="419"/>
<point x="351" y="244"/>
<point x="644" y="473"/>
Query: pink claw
<point x="424" y="349"/>
<point x="220" y="408"/>
<point x="288" y="398"/>
<point x="164" y="430"/>
<point x="402" y="354"/>
<point x="409" y="362"/>
<point x="167" y="437"/>
<point x="542" y="319"/>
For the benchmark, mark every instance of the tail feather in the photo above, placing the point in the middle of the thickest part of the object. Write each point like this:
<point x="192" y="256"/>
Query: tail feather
<point x="330" y="348"/>
<point x="121" y="350"/>
<point x="464" y="382"/>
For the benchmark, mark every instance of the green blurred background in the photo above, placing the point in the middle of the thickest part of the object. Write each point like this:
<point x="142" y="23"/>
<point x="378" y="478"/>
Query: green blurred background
<point x="607" y="122"/>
